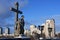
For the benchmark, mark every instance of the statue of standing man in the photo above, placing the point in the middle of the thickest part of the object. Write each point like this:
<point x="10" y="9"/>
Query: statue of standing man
<point x="22" y="23"/>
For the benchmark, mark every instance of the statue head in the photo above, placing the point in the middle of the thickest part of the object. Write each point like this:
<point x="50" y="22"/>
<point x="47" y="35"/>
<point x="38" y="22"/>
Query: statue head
<point x="22" y="17"/>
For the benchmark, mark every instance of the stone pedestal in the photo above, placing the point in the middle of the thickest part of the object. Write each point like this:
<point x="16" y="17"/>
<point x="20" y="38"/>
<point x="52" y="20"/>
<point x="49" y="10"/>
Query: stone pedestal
<point x="23" y="37"/>
<point x="17" y="28"/>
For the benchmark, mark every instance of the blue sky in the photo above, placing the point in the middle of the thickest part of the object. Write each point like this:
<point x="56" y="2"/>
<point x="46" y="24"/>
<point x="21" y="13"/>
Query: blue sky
<point x="35" y="12"/>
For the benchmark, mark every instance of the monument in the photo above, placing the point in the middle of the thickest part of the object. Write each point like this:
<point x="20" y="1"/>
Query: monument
<point x="19" y="24"/>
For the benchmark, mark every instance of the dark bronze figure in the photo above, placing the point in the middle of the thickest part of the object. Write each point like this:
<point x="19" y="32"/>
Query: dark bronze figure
<point x="22" y="25"/>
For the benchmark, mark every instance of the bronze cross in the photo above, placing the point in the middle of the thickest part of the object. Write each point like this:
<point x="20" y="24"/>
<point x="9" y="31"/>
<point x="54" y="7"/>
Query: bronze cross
<point x="16" y="10"/>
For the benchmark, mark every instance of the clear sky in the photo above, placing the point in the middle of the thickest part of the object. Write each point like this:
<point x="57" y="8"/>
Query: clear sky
<point x="35" y="12"/>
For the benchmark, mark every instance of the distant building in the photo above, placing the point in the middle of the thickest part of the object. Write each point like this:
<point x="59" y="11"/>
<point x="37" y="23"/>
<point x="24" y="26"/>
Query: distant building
<point x="7" y="30"/>
<point x="51" y="24"/>
<point x="1" y="30"/>
<point x="35" y="32"/>
<point x="44" y="27"/>
<point x="27" y="33"/>
<point x="33" y="29"/>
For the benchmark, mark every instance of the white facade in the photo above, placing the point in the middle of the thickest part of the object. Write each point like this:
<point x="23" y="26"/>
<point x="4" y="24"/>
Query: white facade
<point x="7" y="30"/>
<point x="27" y="33"/>
<point x="51" y="24"/>
<point x="44" y="27"/>
<point x="34" y="29"/>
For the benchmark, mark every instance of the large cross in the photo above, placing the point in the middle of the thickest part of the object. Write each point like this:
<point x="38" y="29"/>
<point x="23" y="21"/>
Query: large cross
<point x="16" y="10"/>
<point x="16" y="17"/>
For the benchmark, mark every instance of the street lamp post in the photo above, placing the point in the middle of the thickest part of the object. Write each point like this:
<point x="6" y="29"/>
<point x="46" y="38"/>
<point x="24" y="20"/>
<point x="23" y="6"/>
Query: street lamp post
<point x="50" y="30"/>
